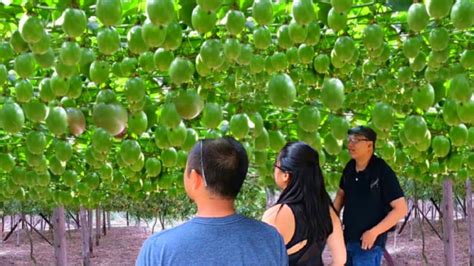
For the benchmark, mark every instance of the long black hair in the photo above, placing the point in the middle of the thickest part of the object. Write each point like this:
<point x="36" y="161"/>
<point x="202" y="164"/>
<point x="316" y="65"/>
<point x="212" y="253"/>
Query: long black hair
<point x="306" y="187"/>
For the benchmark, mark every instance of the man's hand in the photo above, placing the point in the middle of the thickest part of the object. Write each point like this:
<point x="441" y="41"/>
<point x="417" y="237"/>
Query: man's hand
<point x="368" y="239"/>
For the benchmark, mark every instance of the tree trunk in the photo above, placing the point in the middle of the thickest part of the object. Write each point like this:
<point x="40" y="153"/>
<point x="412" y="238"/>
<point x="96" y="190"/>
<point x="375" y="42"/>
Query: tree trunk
<point x="28" y="233"/>
<point x="448" y="228"/>
<point x="109" y="224"/>
<point x="411" y="221"/>
<point x="395" y="235"/>
<point x="90" y="231"/>
<point x="162" y="220"/>
<point x="455" y="206"/>
<point x="104" y="223"/>
<point x="126" y="215"/>
<point x="17" y="233"/>
<point x="433" y="214"/>
<point x="68" y="221"/>
<point x="2" y="229"/>
<point x="59" y="236"/>
<point x="97" y="226"/>
<point x="86" y="258"/>
<point x="470" y="221"/>
<point x="154" y="224"/>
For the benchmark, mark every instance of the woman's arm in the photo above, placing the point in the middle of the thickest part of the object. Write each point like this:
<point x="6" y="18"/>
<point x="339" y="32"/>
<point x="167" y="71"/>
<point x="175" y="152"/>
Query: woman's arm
<point x="336" y="241"/>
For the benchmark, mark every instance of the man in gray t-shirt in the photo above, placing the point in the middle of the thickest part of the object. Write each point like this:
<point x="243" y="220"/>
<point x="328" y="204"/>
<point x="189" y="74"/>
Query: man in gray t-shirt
<point x="214" y="175"/>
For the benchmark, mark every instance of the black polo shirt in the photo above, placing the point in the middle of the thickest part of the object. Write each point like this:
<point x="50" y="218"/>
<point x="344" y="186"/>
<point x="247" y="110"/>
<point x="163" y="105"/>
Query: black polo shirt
<point x="367" y="197"/>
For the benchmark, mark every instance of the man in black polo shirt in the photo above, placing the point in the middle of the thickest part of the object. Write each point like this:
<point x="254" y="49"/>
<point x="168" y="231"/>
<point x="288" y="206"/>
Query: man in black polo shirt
<point x="372" y="199"/>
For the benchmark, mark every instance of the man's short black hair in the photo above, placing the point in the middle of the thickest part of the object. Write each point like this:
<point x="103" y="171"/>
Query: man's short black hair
<point x="367" y="132"/>
<point x="224" y="163"/>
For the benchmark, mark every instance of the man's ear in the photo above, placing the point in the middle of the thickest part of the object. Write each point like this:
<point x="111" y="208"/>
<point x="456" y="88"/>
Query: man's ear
<point x="196" y="179"/>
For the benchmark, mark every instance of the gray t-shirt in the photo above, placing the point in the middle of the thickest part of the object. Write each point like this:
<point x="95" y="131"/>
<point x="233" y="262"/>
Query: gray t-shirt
<point x="230" y="240"/>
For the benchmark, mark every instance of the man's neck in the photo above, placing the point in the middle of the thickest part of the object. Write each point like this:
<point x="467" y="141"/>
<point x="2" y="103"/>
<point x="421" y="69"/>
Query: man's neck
<point x="212" y="207"/>
<point x="361" y="163"/>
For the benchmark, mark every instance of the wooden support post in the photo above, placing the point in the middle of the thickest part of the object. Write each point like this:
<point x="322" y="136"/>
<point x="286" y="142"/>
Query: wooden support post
<point x="430" y="224"/>
<point x="86" y="258"/>
<point x="59" y="236"/>
<point x="406" y="220"/>
<point x="13" y="227"/>
<point x="437" y="208"/>
<point x="126" y="215"/>
<point x="46" y="220"/>
<point x="97" y="226"/>
<point x="388" y="258"/>
<point x="448" y="227"/>
<point x="39" y="233"/>
<point x="470" y="220"/>
<point x="463" y="206"/>
<point x="76" y="220"/>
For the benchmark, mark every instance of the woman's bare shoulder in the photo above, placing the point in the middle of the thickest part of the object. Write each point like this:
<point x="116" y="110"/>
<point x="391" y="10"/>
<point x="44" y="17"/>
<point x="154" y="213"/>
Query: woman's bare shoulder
<point x="277" y="212"/>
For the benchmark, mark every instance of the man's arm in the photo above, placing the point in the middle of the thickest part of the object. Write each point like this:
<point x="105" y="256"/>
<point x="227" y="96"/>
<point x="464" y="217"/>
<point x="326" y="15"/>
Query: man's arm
<point x="399" y="210"/>
<point x="339" y="201"/>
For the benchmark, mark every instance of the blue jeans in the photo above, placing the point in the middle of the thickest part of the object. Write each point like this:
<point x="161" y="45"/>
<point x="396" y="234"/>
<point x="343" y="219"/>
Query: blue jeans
<point x="356" y="256"/>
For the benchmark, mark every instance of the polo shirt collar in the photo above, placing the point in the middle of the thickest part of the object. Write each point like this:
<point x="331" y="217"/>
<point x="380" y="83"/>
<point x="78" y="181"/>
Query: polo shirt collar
<point x="369" y="165"/>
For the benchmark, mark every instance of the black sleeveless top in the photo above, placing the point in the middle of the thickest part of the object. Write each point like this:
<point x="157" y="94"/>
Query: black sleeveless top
<point x="311" y="253"/>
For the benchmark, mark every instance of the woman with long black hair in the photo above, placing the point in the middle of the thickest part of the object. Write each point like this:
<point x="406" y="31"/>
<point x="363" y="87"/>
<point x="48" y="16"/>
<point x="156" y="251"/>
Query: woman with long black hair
<point x="304" y="214"/>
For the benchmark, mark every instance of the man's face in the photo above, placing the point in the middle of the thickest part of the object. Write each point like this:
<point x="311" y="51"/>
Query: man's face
<point x="359" y="146"/>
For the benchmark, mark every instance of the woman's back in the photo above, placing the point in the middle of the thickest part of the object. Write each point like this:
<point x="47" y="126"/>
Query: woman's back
<point x="305" y="253"/>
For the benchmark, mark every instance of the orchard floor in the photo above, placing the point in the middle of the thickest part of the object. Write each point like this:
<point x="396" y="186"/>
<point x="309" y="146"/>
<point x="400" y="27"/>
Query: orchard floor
<point x="121" y="245"/>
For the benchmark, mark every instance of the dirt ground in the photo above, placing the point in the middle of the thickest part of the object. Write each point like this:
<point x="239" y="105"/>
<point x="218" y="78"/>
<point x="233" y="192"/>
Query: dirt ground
<point x="409" y="252"/>
<point x="121" y="245"/>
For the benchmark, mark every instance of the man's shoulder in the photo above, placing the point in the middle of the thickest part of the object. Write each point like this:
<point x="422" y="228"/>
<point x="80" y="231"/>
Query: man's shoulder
<point x="167" y="235"/>
<point x="244" y="223"/>
<point x="257" y="229"/>
<point x="382" y="165"/>
<point x="259" y="225"/>
<point x="378" y="160"/>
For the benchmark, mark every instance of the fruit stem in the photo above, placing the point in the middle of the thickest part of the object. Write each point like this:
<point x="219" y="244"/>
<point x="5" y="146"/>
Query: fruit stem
<point x="363" y="5"/>
<point x="45" y="7"/>
<point x="370" y="15"/>
<point x="75" y="4"/>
